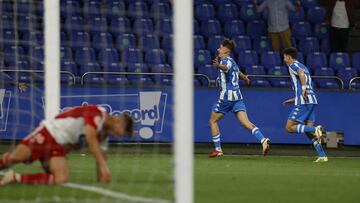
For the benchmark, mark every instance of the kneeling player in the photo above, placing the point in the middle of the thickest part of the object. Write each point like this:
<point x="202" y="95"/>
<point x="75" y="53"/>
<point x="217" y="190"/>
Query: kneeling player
<point x="54" y="138"/>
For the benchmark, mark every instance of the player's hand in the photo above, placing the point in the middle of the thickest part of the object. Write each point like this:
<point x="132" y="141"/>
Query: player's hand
<point x="216" y="62"/>
<point x="105" y="176"/>
<point x="247" y="80"/>
<point x="304" y="95"/>
<point x="288" y="102"/>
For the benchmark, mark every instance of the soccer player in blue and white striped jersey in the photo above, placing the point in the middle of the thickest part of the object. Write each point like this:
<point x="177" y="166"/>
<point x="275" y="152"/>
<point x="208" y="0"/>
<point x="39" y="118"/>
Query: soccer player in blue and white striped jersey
<point x="230" y="98"/>
<point x="302" y="117"/>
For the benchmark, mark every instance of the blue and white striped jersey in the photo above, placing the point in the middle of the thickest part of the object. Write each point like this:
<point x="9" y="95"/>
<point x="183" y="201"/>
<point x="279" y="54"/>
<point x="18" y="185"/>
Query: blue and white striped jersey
<point x="229" y="81"/>
<point x="296" y="84"/>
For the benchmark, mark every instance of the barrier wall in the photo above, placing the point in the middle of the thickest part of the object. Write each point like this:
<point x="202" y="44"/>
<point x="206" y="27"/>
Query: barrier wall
<point x="153" y="112"/>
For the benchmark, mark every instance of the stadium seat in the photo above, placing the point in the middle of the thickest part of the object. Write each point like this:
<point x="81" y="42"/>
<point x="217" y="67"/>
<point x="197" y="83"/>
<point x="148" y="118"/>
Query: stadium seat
<point x="125" y="41"/>
<point x="119" y="26"/>
<point x="36" y="53"/>
<point x="309" y="3"/>
<point x="316" y="60"/>
<point x="137" y="68"/>
<point x="94" y="79"/>
<point x="202" y="57"/>
<point x="301" y="29"/>
<point x="66" y="54"/>
<point x="21" y="64"/>
<point x="85" y="55"/>
<point x="79" y="39"/>
<point x="321" y="30"/>
<point x="339" y="60"/>
<point x="26" y="23"/>
<point x="89" y="67"/>
<point x="280" y="82"/>
<point x="234" y="28"/>
<point x="309" y="45"/>
<point x="161" y="69"/>
<point x="325" y="46"/>
<point x="243" y="2"/>
<point x="214" y="43"/>
<point x="355" y="85"/>
<point x="160" y="10"/>
<point x="108" y="56"/>
<point x="74" y="23"/>
<point x="6" y="7"/>
<point x="37" y="65"/>
<point x="220" y="2"/>
<point x="299" y="15"/>
<point x="198" y="2"/>
<point x="7" y="22"/>
<point x="210" y="27"/>
<point x="248" y="13"/>
<point x="259" y="82"/>
<point x="69" y="66"/>
<point x="316" y="14"/>
<point x="115" y="67"/>
<point x="13" y="53"/>
<point x="164" y="26"/>
<point x="115" y="9"/>
<point x="9" y="38"/>
<point x="270" y="59"/>
<point x="148" y="42"/>
<point x="91" y="9"/>
<point x="256" y="28"/>
<point x="255" y="70"/>
<point x="97" y="25"/>
<point x="243" y="42"/>
<point x="138" y="9"/>
<point x="346" y="74"/>
<point x="204" y="12"/>
<point x="132" y="55"/>
<point x="167" y="42"/>
<point x="161" y="81"/>
<point x="300" y="57"/>
<point x="227" y="12"/>
<point x="278" y="70"/>
<point x="247" y="58"/>
<point x="155" y="56"/>
<point x="262" y="44"/>
<point x="324" y="83"/>
<point x="143" y="26"/>
<point x="102" y="40"/>
<point x="356" y="60"/>
<point x="70" y="7"/>
<point x="324" y="71"/>
<point x="117" y="80"/>
<point x="208" y="70"/>
<point x="196" y="27"/>
<point x="199" y="42"/>
<point x="63" y="39"/>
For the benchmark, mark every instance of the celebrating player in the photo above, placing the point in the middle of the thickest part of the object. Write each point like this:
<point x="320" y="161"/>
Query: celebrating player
<point x="54" y="138"/>
<point x="231" y="98"/>
<point x="302" y="117"/>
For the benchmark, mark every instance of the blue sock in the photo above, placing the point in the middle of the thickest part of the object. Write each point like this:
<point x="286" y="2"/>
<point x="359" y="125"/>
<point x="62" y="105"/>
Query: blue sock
<point x="304" y="128"/>
<point x="217" y="143"/>
<point x="256" y="132"/>
<point x="319" y="149"/>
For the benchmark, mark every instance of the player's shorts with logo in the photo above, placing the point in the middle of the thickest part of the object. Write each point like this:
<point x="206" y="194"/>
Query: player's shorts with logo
<point x="224" y="106"/>
<point x="303" y="113"/>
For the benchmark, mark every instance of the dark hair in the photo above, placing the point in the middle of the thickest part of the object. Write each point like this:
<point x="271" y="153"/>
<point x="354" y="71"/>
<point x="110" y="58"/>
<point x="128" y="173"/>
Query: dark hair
<point x="228" y="43"/>
<point x="291" y="51"/>
<point x="129" y="125"/>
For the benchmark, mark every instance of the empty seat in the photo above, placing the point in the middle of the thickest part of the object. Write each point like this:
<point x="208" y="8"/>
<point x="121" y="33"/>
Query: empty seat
<point x="27" y="22"/>
<point x="89" y="67"/>
<point x="21" y="64"/>
<point x="255" y="70"/>
<point x="346" y="74"/>
<point x="7" y="21"/>
<point x="69" y="66"/>
<point x="85" y="55"/>
<point x="108" y="56"/>
<point x="243" y="2"/>
<point x="339" y="60"/>
<point x="247" y="58"/>
<point x="36" y="54"/>
<point x="94" y="79"/>
<point x="115" y="67"/>
<point x="148" y="42"/>
<point x="97" y="25"/>
<point x="300" y="57"/>
<point x="309" y="3"/>
<point x="324" y="83"/>
<point x="278" y="70"/>
<point x="204" y="12"/>
<point x="214" y="43"/>
<point x="308" y="45"/>
<point x="248" y="13"/>
<point x="132" y="55"/>
<point x="210" y="71"/>
<point x="167" y="42"/>
<point x="299" y="15"/>
<point x="256" y="28"/>
<point x="280" y="82"/>
<point x="325" y="45"/>
<point x="210" y="27"/>
<point x="66" y="54"/>
<point x="137" y="68"/>
<point x="13" y="53"/>
<point x="243" y="42"/>
<point x="196" y="27"/>
<point x="79" y="39"/>
<point x="119" y="26"/>
<point x="259" y="82"/>
<point x="234" y="28"/>
<point x="356" y="60"/>
<point x="117" y="80"/>
<point x="199" y="42"/>
<point x="138" y="9"/>
<point x="202" y="57"/>
<point x="155" y="56"/>
<point x="227" y="12"/>
<point x="262" y="44"/>
<point x="301" y="29"/>
<point x="143" y="26"/>
<point x="164" y="26"/>
<point x="270" y="59"/>
<point x="164" y="69"/>
<point x="9" y="38"/>
<point x="70" y="7"/>
<point x="160" y="10"/>
<point x="321" y="30"/>
<point x="91" y="9"/>
<point x="324" y="71"/>
<point x="115" y="9"/>
<point x="316" y="60"/>
<point x="102" y="40"/>
<point x="316" y="14"/>
<point x="74" y="23"/>
<point x="124" y="41"/>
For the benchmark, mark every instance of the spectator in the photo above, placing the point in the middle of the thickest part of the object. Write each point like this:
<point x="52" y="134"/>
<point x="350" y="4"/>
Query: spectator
<point x="340" y="14"/>
<point x="278" y="21"/>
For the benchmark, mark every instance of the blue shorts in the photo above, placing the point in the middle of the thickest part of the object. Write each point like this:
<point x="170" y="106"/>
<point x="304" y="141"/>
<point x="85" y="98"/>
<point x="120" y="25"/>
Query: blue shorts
<point x="224" y="106"/>
<point x="303" y="113"/>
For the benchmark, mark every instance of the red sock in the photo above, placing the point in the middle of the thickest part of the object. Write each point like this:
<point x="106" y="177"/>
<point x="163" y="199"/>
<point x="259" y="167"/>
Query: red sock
<point x="4" y="160"/>
<point x="39" y="178"/>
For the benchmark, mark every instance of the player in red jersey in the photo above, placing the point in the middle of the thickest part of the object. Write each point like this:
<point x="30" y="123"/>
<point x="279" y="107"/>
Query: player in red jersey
<point x="54" y="138"/>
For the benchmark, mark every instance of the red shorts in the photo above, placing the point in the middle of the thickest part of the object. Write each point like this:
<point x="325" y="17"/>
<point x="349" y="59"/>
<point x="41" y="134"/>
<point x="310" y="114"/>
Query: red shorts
<point x="43" y="146"/>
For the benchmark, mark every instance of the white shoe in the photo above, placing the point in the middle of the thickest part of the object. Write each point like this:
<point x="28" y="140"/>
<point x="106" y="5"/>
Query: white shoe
<point x="265" y="146"/>
<point x="321" y="159"/>
<point x="9" y="177"/>
<point x="318" y="133"/>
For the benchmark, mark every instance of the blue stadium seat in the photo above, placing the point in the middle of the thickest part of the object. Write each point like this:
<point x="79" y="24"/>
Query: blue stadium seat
<point x="234" y="28"/>
<point x="26" y="23"/>
<point x="278" y="70"/>
<point x="148" y="42"/>
<point x="102" y="40"/>
<point x="7" y="21"/>
<point x="115" y="67"/>
<point x="346" y="74"/>
<point x="316" y="14"/>
<point x="220" y="2"/>
<point x="13" y="53"/>
<point x="321" y="30"/>
<point x="339" y="60"/>
<point x="117" y="80"/>
<point x="138" y="9"/>
<point x="300" y="57"/>
<point x="161" y="68"/>
<point x="324" y="71"/>
<point x="324" y="83"/>
<point x="132" y="55"/>
<point x="85" y="55"/>
<point x="167" y="43"/>
<point x="21" y="64"/>
<point x="70" y="7"/>
<point x="89" y="67"/>
<point x="79" y="39"/>
<point x="262" y="44"/>
<point x="196" y="27"/>
<point x="214" y="43"/>
<point x="316" y="60"/>
<point x="247" y="58"/>
<point x="243" y="2"/>
<point x="256" y="28"/>
<point x="36" y="54"/>
<point x="119" y="26"/>
<point x="8" y="38"/>
<point x="309" y="45"/>
<point x="125" y="41"/>
<point x="208" y="70"/>
<point x="6" y="7"/>
<point x="164" y="26"/>
<point x="301" y="29"/>
<point x="280" y="82"/>
<point x="325" y="46"/>
<point x="63" y="39"/>
<point x="210" y="27"/>
<point x="91" y="9"/>
<point x="248" y="13"/>
<point x="161" y="81"/>
<point x="202" y="57"/>
<point x="356" y="60"/>
<point x="309" y="3"/>
<point x="255" y="70"/>
<point x="97" y="25"/>
<point x="74" y="23"/>
<point x="66" y="54"/>
<point x="199" y="42"/>
<point x="204" y="12"/>
<point x="270" y="59"/>
<point x="299" y="15"/>
<point x="137" y="68"/>
<point x="69" y="66"/>
<point x="227" y="12"/>
<point x="115" y="9"/>
<point x="108" y="56"/>
<point x="243" y="42"/>
<point x="259" y="82"/>
<point x="198" y="2"/>
<point x="143" y="26"/>
<point x="94" y="79"/>
<point x="155" y="56"/>
<point x="160" y="10"/>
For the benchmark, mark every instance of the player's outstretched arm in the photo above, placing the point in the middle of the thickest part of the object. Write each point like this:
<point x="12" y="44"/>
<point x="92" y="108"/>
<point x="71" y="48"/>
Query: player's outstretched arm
<point x="289" y="101"/>
<point x="244" y="77"/>
<point x="94" y="147"/>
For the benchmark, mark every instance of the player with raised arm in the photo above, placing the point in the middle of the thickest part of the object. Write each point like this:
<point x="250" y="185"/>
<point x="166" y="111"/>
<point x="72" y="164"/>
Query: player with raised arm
<point x="302" y="117"/>
<point x="231" y="98"/>
<point x="54" y="138"/>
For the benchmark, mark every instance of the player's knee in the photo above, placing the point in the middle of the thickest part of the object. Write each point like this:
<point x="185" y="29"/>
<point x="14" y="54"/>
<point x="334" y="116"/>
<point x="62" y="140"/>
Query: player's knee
<point x="15" y="159"/>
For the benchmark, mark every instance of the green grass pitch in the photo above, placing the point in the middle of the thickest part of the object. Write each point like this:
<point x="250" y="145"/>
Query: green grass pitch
<point x="228" y="179"/>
